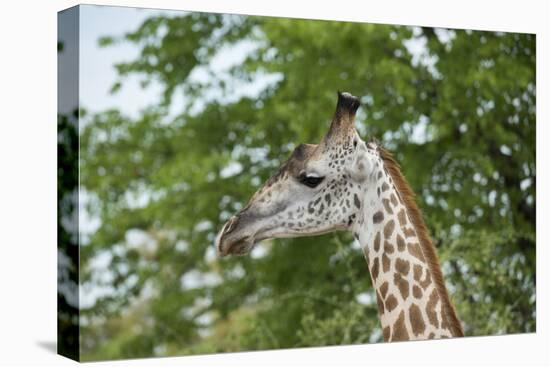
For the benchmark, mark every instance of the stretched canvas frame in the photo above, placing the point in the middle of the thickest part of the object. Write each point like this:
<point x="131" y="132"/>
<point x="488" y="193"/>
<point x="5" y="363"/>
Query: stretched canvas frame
<point x="514" y="247"/>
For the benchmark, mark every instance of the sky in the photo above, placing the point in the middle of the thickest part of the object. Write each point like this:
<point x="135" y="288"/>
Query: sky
<point x="98" y="74"/>
<point x="97" y="71"/>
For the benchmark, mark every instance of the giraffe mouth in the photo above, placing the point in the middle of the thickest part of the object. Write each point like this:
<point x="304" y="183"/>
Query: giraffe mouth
<point x="238" y="248"/>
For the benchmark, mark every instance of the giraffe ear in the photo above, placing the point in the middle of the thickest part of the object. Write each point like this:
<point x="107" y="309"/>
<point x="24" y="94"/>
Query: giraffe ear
<point x="360" y="167"/>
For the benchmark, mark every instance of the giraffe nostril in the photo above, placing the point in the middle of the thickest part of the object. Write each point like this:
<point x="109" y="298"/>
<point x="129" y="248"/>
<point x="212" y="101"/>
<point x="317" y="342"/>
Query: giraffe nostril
<point x="227" y="228"/>
<point x="219" y="241"/>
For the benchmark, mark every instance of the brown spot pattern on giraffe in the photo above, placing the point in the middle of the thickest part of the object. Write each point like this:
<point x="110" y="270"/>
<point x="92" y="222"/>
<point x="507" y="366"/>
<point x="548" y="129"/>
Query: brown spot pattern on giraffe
<point x="416" y="251"/>
<point x="375" y="269"/>
<point x="391" y="303"/>
<point x="417" y="291"/>
<point x="402" y="284"/>
<point x="387" y="206"/>
<point x="418" y="276"/>
<point x="384" y="290"/>
<point x="378" y="217"/>
<point x="400" y="243"/>
<point x="388" y="229"/>
<point x="430" y="308"/>
<point x="417" y="270"/>
<point x="417" y="323"/>
<point x="385" y="263"/>
<point x="399" y="331"/>
<point x="402" y="266"/>
<point x="393" y="199"/>
<point x="388" y="248"/>
<point x="377" y="242"/>
<point x="409" y="232"/>
<point x="386" y="333"/>
<point x="380" y="304"/>
<point x="402" y="217"/>
<point x="426" y="282"/>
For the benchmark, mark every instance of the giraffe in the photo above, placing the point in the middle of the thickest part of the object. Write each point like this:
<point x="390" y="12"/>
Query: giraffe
<point x="345" y="183"/>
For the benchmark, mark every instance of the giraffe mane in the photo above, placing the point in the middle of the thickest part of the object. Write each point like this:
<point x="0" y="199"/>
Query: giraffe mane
<point x="428" y="249"/>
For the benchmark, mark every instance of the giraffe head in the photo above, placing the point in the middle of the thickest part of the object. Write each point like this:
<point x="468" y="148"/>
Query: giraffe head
<point x="316" y="191"/>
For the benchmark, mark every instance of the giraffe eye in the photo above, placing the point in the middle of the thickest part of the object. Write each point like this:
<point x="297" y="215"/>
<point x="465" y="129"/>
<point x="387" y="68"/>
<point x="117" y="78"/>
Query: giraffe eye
<point x="311" y="181"/>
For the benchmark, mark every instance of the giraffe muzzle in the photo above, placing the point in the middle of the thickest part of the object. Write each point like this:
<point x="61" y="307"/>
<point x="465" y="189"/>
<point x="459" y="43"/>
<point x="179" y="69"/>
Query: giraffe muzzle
<point x="234" y="238"/>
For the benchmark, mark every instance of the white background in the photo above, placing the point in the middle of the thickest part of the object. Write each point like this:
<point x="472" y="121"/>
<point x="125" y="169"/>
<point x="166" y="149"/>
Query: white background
<point x="28" y="181"/>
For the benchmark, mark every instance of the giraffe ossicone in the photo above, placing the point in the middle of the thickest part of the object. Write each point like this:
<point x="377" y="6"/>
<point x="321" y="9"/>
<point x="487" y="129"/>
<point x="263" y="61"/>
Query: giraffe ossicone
<point x="345" y="183"/>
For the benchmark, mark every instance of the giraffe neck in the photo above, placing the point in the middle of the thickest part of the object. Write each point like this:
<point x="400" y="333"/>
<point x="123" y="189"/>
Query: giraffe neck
<point x="410" y="304"/>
